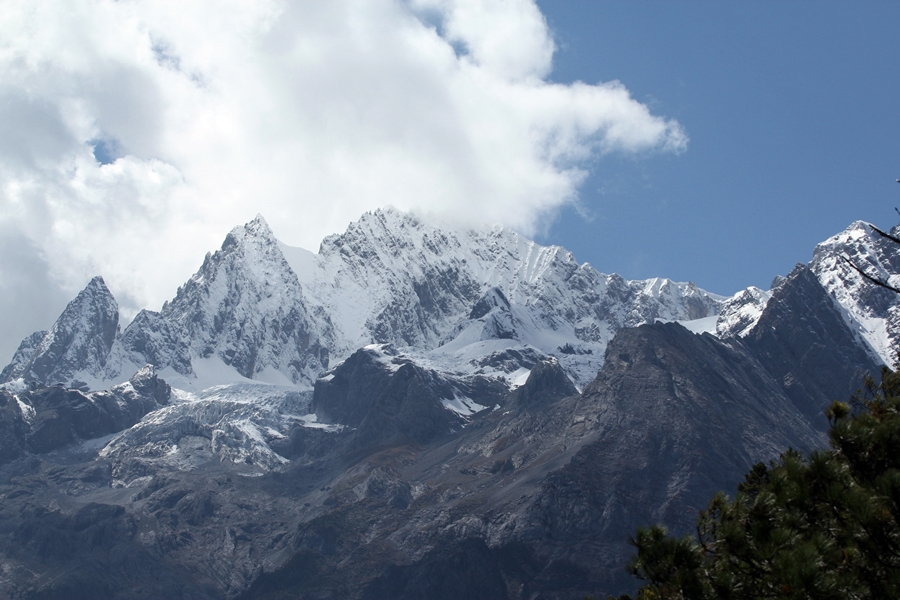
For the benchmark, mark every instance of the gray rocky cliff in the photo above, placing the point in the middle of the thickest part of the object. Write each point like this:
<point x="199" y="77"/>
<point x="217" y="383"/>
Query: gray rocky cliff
<point x="43" y="419"/>
<point x="805" y="343"/>
<point x="77" y="345"/>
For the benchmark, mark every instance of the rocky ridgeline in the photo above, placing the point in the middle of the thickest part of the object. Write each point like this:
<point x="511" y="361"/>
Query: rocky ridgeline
<point x="266" y="311"/>
<point x="433" y="431"/>
<point x="37" y="419"/>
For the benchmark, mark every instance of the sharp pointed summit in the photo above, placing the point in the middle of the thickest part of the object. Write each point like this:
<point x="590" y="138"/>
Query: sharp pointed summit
<point x="78" y="344"/>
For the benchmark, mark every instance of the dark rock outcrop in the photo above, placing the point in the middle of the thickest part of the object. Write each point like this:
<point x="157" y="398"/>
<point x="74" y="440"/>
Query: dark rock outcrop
<point x="386" y="398"/>
<point x="803" y="341"/>
<point x="13" y="428"/>
<point x="546" y="384"/>
<point x="61" y="416"/>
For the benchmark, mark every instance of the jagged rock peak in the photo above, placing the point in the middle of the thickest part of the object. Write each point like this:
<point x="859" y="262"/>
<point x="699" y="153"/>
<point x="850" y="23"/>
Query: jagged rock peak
<point x="741" y="312"/>
<point x="79" y="341"/>
<point x="22" y="356"/>
<point x="257" y="229"/>
<point x="245" y="306"/>
<point x="493" y="298"/>
<point x="876" y="309"/>
<point x="147" y="383"/>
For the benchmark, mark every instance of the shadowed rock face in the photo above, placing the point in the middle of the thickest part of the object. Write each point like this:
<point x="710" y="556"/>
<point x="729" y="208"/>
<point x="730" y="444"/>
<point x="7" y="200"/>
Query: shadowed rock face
<point x="546" y="384"/>
<point x="804" y="342"/>
<point x="676" y="417"/>
<point x="13" y="428"/>
<point x="56" y="417"/>
<point x="396" y="400"/>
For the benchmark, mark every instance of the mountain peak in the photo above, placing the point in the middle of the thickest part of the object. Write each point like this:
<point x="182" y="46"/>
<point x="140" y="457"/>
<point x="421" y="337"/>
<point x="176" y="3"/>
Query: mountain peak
<point x="80" y="340"/>
<point x="97" y="283"/>
<point x="256" y="231"/>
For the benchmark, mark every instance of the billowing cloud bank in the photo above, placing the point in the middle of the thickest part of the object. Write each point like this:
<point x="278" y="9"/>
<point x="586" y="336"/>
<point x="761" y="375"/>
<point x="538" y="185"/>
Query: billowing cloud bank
<point x="135" y="134"/>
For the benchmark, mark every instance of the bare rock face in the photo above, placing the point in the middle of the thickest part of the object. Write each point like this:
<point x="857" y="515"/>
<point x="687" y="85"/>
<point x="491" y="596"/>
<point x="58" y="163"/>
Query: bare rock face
<point x="387" y="397"/>
<point x="43" y="419"/>
<point x="79" y="342"/>
<point x="805" y="342"/>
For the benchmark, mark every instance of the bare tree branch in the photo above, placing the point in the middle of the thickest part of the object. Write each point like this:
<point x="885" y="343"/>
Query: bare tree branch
<point x="885" y="235"/>
<point x="874" y="280"/>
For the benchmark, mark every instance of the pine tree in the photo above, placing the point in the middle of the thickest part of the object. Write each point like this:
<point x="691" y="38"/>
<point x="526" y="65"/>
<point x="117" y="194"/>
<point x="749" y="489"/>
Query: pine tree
<point x="825" y="526"/>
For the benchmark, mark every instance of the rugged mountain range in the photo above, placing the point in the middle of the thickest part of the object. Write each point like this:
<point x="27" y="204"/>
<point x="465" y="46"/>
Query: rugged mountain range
<point x="260" y="310"/>
<point x="415" y="411"/>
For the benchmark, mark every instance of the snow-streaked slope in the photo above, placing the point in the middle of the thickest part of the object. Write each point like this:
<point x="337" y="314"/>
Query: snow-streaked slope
<point x="393" y="278"/>
<point x="873" y="311"/>
<point x="239" y="423"/>
<point x="243" y="315"/>
<point x="78" y="344"/>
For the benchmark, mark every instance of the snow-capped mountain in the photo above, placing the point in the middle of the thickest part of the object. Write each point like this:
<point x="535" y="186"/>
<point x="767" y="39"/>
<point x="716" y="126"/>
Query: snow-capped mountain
<point x="465" y="310"/>
<point x="78" y="344"/>
<point x="258" y="309"/>
<point x="242" y="315"/>
<point x="425" y="411"/>
<point x="871" y="311"/>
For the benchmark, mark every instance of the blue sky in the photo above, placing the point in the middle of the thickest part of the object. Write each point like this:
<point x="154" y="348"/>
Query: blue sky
<point x="793" y="113"/>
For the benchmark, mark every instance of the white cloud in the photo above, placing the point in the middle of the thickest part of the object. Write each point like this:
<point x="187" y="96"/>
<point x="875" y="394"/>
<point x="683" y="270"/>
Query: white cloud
<point x="309" y="113"/>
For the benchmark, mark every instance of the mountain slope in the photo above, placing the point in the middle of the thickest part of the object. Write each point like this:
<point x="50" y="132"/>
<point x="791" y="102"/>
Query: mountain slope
<point x="428" y="438"/>
<point x="78" y="344"/>
<point x="872" y="310"/>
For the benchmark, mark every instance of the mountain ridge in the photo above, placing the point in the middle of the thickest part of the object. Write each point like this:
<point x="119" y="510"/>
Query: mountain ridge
<point x="463" y="447"/>
<point x="390" y="278"/>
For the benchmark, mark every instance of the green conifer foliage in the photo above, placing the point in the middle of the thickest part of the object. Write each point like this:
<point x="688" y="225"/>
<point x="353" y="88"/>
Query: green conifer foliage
<point x="825" y="526"/>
